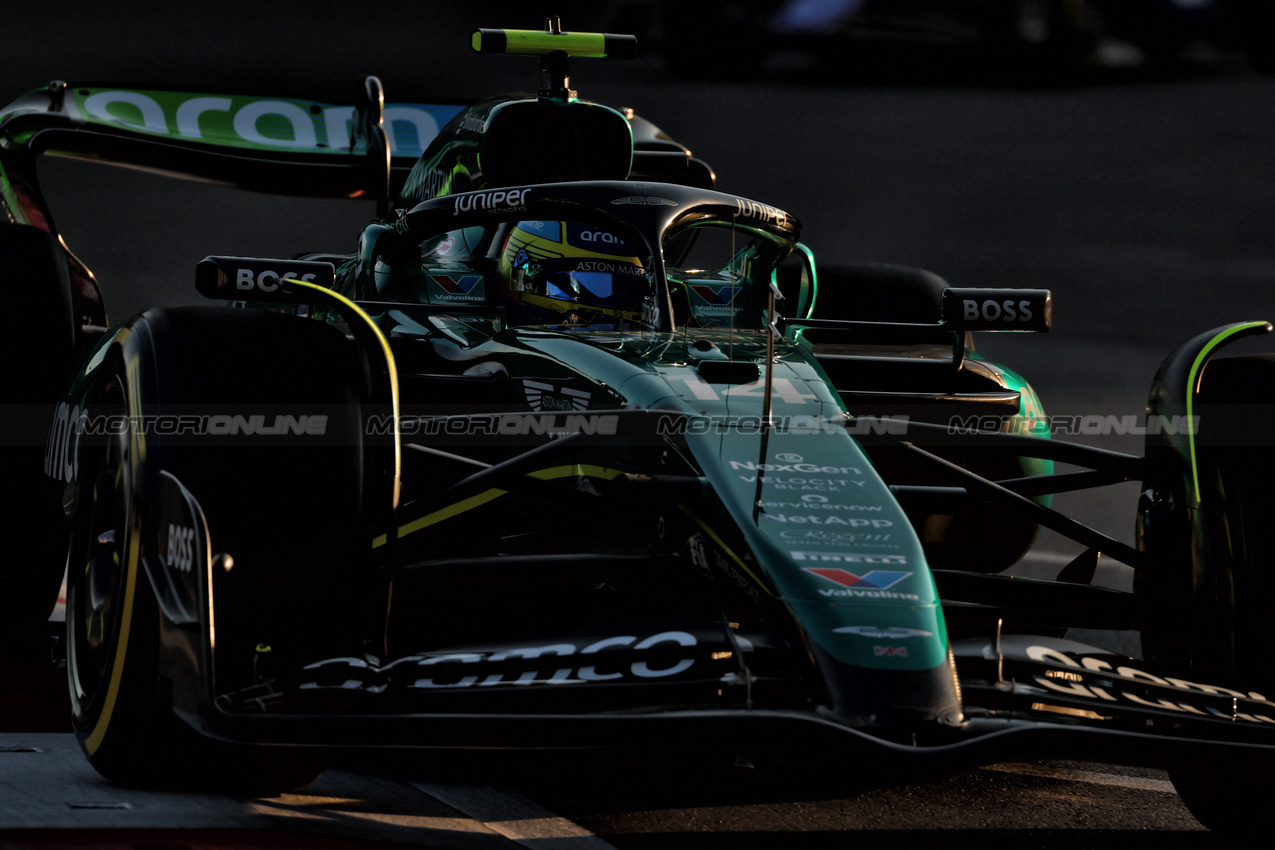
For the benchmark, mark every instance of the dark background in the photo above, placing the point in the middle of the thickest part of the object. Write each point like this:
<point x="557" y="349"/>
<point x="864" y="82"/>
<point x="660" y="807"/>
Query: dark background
<point x="1144" y="201"/>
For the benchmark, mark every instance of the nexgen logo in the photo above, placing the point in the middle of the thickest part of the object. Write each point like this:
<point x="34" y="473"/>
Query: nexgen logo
<point x="875" y="580"/>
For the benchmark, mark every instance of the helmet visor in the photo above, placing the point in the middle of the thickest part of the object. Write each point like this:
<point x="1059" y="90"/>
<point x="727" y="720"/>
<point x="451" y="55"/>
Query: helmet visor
<point x="606" y="284"/>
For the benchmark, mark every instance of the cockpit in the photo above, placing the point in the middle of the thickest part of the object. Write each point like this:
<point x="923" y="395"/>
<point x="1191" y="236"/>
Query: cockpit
<point x="592" y="270"/>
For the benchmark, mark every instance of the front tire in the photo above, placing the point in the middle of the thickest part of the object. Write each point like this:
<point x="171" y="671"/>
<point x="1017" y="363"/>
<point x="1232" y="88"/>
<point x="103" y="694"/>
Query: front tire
<point x="289" y="507"/>
<point x="121" y="712"/>
<point x="1214" y="623"/>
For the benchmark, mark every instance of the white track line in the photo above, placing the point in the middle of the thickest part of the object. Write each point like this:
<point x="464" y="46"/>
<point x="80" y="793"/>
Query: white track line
<point x="1061" y="559"/>
<point x="1137" y="783"/>
<point x="515" y="817"/>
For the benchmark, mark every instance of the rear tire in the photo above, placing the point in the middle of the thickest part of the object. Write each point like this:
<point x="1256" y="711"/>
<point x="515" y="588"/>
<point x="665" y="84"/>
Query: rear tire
<point x="37" y="288"/>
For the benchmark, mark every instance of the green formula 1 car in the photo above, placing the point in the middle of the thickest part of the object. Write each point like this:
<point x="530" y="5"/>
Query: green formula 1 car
<point x="572" y="452"/>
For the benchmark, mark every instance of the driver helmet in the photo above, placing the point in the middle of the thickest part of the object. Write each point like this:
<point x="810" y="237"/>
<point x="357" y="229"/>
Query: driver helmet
<point x="568" y="273"/>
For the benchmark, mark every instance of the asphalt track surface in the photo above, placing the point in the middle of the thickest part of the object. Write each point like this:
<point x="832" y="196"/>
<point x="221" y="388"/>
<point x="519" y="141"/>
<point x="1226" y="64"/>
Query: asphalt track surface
<point x="1146" y="204"/>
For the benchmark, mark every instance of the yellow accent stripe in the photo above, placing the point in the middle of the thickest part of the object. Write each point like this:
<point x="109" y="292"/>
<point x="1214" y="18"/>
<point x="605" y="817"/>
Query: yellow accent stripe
<point x="448" y="512"/>
<point x="583" y="470"/>
<point x="392" y="368"/>
<point x="721" y="543"/>
<point x="1192" y="389"/>
<point x="94" y="740"/>
<point x="574" y="469"/>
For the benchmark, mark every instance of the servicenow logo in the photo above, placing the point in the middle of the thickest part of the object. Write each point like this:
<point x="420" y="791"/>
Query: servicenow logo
<point x="255" y="122"/>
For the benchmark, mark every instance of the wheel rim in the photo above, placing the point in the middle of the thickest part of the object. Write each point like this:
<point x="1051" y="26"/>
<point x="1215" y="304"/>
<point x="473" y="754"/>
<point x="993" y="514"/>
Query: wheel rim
<point x="98" y="559"/>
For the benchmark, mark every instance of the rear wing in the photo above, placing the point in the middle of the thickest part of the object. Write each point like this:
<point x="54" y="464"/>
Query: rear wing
<point x="279" y="145"/>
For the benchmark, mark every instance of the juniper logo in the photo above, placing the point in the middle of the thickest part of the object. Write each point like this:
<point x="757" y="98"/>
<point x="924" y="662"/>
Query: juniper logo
<point x="498" y="200"/>
<point x="752" y="209"/>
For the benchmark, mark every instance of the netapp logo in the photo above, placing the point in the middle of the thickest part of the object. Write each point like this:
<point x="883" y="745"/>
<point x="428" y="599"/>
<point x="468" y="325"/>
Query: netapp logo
<point x="810" y="519"/>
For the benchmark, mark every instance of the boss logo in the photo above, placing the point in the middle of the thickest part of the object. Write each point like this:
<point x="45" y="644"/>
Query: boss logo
<point x="265" y="280"/>
<point x="181" y="547"/>
<point x="997" y="309"/>
<point x="253" y="279"/>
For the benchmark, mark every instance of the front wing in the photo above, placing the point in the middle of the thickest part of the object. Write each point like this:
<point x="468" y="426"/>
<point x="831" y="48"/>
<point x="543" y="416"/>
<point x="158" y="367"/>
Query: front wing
<point x="689" y="687"/>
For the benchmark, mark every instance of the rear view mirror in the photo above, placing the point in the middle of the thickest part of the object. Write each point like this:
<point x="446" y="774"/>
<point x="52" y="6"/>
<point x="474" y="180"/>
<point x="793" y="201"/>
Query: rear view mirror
<point x="797" y="281"/>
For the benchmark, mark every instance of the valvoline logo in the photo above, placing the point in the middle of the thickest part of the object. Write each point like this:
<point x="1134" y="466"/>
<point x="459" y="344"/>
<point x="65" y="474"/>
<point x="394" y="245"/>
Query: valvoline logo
<point x="722" y="295"/>
<point x="452" y="287"/>
<point x="874" y="580"/>
<point x="462" y="285"/>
